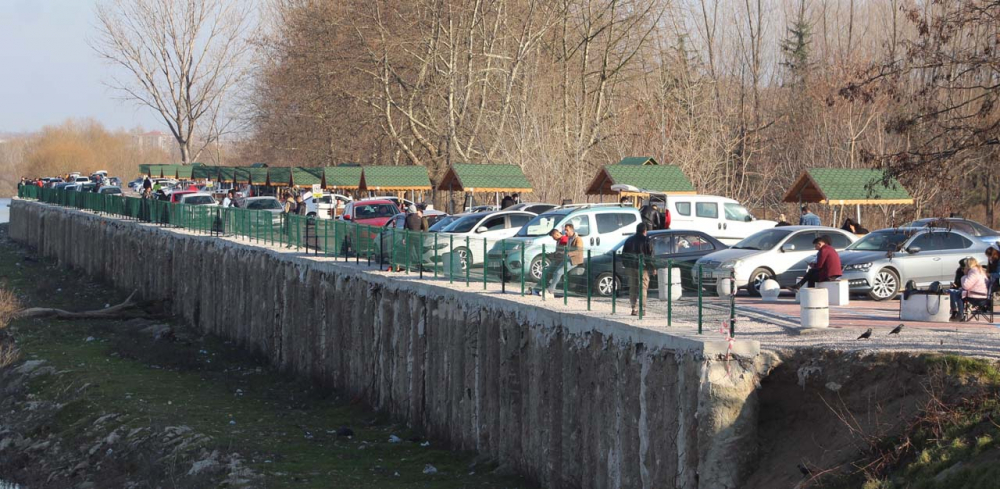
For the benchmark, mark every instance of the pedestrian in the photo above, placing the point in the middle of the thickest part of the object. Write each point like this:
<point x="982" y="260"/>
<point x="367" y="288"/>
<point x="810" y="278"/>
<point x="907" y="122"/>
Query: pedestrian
<point x="506" y="202"/>
<point x="554" y="259"/>
<point x="782" y="222"/>
<point x="808" y="218"/>
<point x="637" y="258"/>
<point x="300" y="206"/>
<point x="227" y="201"/>
<point x="666" y="217"/>
<point x="827" y="265"/>
<point x="147" y="183"/>
<point x="22" y="183"/>
<point x="572" y="256"/>
<point x="287" y="209"/>
<point x="993" y="264"/>
<point x="650" y="216"/>
<point x="972" y="287"/>
<point x="414" y="225"/>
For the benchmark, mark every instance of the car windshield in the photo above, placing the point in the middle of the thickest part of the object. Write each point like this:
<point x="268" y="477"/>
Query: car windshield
<point x="462" y="224"/>
<point x="888" y="240"/>
<point x="372" y="211"/>
<point x="199" y="200"/>
<point x="762" y="240"/>
<point x="264" y="204"/>
<point x="736" y="212"/>
<point x="541" y="225"/>
<point x="442" y="223"/>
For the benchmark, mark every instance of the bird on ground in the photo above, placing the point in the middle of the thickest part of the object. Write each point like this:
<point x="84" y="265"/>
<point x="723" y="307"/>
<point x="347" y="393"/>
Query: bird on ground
<point x="897" y="329"/>
<point x="866" y="335"/>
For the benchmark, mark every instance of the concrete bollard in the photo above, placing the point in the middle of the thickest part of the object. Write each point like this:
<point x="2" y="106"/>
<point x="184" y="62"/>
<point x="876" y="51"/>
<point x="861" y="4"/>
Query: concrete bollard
<point x="770" y="290"/>
<point x="452" y="263"/>
<point x="933" y="308"/>
<point x="839" y="292"/>
<point x="814" y="308"/>
<point x="725" y="287"/>
<point x="661" y="283"/>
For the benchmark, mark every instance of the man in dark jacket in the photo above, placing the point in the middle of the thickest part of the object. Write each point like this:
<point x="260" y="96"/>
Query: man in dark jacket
<point x="506" y="202"/>
<point x="414" y="223"/>
<point x="827" y="266"/>
<point x="650" y="216"/>
<point x="638" y="250"/>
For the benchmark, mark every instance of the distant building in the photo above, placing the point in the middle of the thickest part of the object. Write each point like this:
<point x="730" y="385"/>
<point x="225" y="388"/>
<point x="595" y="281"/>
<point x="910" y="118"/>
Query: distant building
<point x="154" y="139"/>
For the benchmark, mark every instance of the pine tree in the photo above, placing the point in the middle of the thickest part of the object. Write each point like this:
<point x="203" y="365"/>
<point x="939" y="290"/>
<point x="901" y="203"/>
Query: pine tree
<point x="795" y="49"/>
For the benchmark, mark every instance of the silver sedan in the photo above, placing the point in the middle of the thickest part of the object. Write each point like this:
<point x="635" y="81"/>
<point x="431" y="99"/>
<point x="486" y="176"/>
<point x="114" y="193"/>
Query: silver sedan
<point x="881" y="262"/>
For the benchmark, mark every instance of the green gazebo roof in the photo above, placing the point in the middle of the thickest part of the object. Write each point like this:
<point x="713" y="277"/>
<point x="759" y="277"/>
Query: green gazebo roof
<point x="847" y="186"/>
<point x="667" y="179"/>
<point x="279" y="177"/>
<point x="394" y="178"/>
<point x="144" y="169"/>
<point x="346" y="177"/>
<point x="307" y="177"/>
<point x="638" y="161"/>
<point x="488" y="177"/>
<point x="205" y="171"/>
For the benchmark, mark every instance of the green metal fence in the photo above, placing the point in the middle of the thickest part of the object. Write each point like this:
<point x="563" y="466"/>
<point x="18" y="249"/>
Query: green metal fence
<point x="678" y="292"/>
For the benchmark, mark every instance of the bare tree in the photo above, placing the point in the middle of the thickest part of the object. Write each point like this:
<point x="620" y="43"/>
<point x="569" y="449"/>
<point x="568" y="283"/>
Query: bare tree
<point x="180" y="59"/>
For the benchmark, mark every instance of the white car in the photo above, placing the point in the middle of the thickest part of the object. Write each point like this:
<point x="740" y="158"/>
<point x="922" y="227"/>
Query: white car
<point x="270" y="204"/>
<point x="479" y="226"/>
<point x="781" y="254"/>
<point x="81" y="180"/>
<point x="198" y="198"/>
<point x="110" y="190"/>
<point x="327" y="206"/>
<point x="721" y="218"/>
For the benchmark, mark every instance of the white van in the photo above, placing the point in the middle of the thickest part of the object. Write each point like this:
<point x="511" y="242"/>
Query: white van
<point x="720" y="217"/>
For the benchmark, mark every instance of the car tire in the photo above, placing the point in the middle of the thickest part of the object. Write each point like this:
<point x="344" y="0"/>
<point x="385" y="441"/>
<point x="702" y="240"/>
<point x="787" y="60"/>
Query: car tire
<point x="603" y="285"/>
<point x="757" y="278"/>
<point x="885" y="285"/>
<point x="536" y="267"/>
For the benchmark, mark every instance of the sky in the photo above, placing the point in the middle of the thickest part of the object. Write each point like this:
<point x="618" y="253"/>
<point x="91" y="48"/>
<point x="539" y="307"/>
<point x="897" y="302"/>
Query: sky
<point x="51" y="74"/>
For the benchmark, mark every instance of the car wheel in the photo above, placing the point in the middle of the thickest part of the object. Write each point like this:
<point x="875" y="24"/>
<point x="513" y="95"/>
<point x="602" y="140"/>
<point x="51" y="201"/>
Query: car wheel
<point x="463" y="257"/>
<point x="885" y="285"/>
<point x="536" y="268"/>
<point x="605" y="284"/>
<point x="757" y="279"/>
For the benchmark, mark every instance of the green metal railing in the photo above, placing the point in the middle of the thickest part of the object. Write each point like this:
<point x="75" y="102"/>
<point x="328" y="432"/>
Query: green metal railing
<point x="599" y="280"/>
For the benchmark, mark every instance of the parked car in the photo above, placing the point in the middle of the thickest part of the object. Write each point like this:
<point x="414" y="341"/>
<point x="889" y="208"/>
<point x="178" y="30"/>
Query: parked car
<point x="781" y="254"/>
<point x="85" y="187"/>
<point x="881" y="262"/>
<point x="110" y="190"/>
<point x="330" y="206"/>
<point x="535" y="207"/>
<point x="81" y="179"/>
<point x="176" y="196"/>
<point x="967" y="226"/>
<point x="479" y="226"/>
<point x="403" y="204"/>
<point x="601" y="227"/>
<point x="371" y="212"/>
<point x="198" y="198"/>
<point x="393" y="228"/>
<point x="482" y="208"/>
<point x="680" y="248"/>
<point x="265" y="203"/>
<point x="720" y="217"/>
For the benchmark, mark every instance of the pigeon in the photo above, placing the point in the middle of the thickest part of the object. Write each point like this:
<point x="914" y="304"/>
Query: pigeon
<point x="897" y="329"/>
<point x="805" y="470"/>
<point x="866" y="335"/>
<point x="345" y="431"/>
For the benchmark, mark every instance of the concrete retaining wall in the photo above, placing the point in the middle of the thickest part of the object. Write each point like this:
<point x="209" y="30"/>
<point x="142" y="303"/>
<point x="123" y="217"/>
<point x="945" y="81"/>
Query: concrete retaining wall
<point x="567" y="400"/>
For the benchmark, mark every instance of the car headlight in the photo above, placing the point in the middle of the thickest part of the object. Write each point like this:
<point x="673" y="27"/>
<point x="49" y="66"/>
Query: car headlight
<point x="858" y="267"/>
<point x="731" y="264"/>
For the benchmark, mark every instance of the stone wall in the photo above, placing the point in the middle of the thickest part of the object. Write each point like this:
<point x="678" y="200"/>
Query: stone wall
<point x="567" y="400"/>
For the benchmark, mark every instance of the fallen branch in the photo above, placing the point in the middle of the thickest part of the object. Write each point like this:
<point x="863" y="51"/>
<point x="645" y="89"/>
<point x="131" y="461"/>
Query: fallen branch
<point x="125" y="309"/>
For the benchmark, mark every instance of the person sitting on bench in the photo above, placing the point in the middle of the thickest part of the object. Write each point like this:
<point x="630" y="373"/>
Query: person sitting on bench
<point x="827" y="265"/>
<point x="973" y="287"/>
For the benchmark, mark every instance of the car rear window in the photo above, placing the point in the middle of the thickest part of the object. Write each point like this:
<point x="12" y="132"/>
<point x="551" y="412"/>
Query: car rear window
<point x="199" y="200"/>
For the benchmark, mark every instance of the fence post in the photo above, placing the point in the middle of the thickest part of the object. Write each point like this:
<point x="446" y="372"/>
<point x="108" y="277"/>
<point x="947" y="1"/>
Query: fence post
<point x="420" y="254"/>
<point x="368" y="247"/>
<point x="523" y="266"/>
<point x="357" y="241"/>
<point x="486" y="263"/>
<point x="732" y="304"/>
<point x="566" y="278"/>
<point x="587" y="274"/>
<point x="614" y="282"/>
<point x="451" y="259"/>
<point x="435" y="262"/>
<point x="502" y="267"/>
<point x="468" y="260"/>
<point x="406" y="249"/>
<point x="392" y="250"/>
<point x="699" y="298"/>
<point x="542" y="283"/>
<point x="640" y="258"/>
<point x="670" y="291"/>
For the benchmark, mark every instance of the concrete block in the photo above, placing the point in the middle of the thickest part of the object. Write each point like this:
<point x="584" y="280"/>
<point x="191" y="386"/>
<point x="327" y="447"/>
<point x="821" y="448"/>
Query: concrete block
<point x="770" y="290"/>
<point x="838" y="290"/>
<point x="814" y="308"/>
<point x="924" y="307"/>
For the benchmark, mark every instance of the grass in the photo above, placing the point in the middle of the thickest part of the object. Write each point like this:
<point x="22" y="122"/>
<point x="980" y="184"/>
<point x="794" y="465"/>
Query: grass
<point x="283" y="428"/>
<point x="959" y="366"/>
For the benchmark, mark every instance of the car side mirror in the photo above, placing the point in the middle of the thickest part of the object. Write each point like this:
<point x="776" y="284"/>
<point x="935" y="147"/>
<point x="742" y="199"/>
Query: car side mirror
<point x="748" y="218"/>
<point x="787" y="247"/>
<point x="913" y="250"/>
<point x="481" y="229"/>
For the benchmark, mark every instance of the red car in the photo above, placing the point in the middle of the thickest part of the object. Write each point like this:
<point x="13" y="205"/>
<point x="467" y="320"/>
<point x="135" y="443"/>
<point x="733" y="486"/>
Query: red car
<point x="374" y="212"/>
<point x="175" y="197"/>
